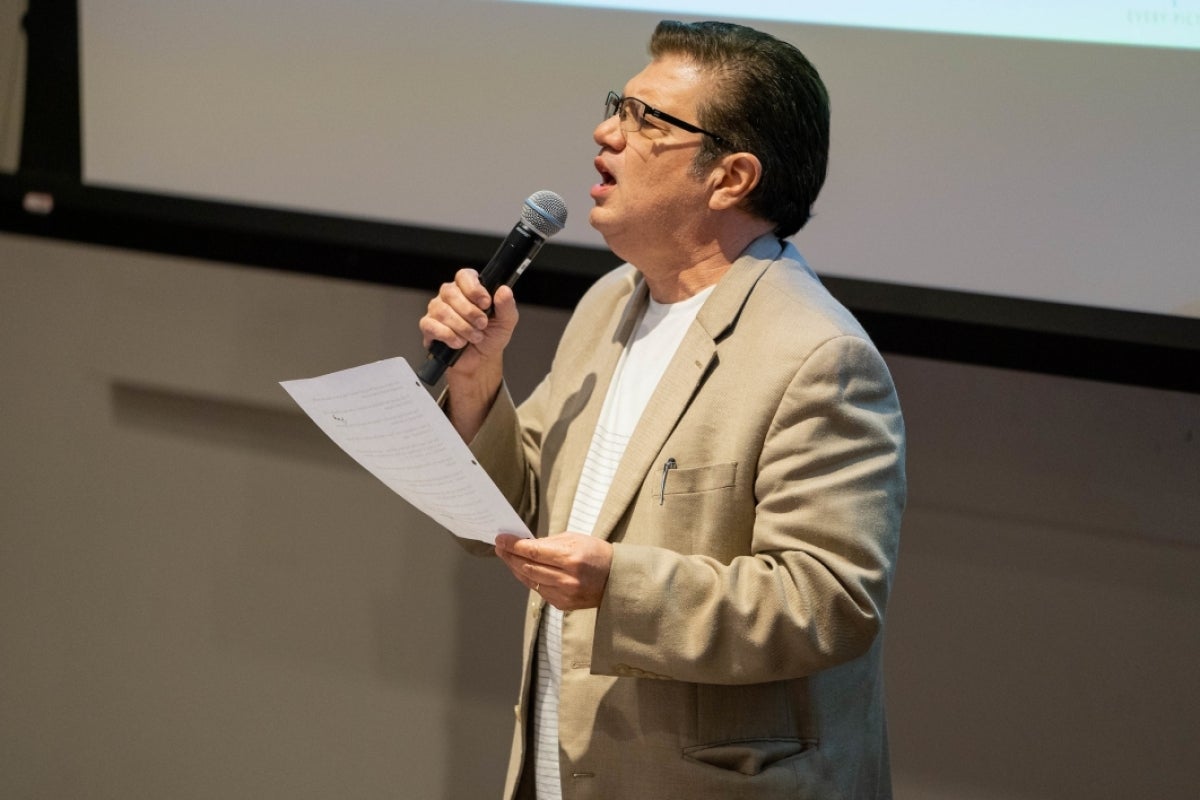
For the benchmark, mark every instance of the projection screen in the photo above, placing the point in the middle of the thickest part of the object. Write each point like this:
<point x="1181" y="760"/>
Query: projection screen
<point x="1005" y="152"/>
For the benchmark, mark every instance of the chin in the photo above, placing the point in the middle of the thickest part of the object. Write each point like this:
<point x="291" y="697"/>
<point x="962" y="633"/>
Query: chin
<point x="601" y="221"/>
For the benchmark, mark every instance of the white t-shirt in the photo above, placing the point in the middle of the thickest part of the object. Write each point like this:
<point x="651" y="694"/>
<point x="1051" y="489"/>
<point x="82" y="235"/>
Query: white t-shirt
<point x="642" y="364"/>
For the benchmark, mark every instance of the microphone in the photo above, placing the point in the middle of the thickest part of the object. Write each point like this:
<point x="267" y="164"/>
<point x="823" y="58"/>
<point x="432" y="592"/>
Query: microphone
<point x="543" y="215"/>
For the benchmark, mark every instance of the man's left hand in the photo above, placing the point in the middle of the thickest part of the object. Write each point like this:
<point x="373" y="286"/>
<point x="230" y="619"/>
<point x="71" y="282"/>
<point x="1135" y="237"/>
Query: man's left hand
<point x="570" y="570"/>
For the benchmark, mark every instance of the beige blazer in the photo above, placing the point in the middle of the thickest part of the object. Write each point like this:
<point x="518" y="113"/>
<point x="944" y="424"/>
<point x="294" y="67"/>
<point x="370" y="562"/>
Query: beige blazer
<point x="736" y="653"/>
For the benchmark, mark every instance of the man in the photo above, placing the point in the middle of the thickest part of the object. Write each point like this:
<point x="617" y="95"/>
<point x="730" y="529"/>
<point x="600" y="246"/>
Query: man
<point x="713" y="465"/>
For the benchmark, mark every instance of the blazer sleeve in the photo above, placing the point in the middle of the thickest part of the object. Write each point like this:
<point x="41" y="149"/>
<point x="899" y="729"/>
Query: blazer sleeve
<point x="511" y="454"/>
<point x="829" y="490"/>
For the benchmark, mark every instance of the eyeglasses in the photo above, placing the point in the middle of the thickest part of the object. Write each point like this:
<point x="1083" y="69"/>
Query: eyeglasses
<point x="633" y="112"/>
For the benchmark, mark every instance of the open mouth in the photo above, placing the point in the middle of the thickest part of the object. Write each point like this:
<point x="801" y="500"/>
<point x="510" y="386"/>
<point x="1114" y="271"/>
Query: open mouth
<point x="606" y="177"/>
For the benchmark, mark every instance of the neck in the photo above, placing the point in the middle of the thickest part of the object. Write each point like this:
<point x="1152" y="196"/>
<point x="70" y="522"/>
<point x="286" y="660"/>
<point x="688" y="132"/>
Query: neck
<point x="675" y="283"/>
<point x="684" y="273"/>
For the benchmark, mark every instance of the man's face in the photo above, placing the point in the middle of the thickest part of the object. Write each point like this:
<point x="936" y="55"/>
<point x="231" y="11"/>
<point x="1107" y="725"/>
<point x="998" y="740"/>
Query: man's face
<point x="647" y="199"/>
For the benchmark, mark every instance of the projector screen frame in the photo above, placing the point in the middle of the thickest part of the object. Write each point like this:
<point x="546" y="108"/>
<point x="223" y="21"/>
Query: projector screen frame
<point x="1135" y="348"/>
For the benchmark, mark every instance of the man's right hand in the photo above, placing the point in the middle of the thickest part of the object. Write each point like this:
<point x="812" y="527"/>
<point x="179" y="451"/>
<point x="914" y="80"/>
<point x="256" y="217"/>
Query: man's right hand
<point x="458" y="316"/>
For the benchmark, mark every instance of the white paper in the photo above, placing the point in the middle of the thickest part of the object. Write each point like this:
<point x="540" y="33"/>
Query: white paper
<point x="383" y="417"/>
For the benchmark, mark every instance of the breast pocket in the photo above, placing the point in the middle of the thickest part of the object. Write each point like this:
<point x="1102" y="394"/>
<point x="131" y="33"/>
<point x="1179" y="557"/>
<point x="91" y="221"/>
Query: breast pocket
<point x="700" y="509"/>
<point x="683" y="480"/>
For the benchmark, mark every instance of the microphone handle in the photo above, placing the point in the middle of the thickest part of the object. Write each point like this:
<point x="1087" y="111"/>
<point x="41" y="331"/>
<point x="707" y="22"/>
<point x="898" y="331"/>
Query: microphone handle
<point x="505" y="266"/>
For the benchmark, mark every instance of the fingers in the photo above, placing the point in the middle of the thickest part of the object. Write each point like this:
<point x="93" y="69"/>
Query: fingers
<point x="457" y="315"/>
<point x="527" y="561"/>
<point x="521" y="568"/>
<point x="467" y="282"/>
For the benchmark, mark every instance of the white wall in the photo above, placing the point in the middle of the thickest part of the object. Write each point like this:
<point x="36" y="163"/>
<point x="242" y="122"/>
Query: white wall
<point x="200" y="597"/>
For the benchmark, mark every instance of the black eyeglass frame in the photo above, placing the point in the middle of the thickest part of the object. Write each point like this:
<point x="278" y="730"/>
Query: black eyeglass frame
<point x="614" y="102"/>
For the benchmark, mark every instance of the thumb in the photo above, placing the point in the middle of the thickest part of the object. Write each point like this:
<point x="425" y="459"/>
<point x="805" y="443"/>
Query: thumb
<point x="504" y="311"/>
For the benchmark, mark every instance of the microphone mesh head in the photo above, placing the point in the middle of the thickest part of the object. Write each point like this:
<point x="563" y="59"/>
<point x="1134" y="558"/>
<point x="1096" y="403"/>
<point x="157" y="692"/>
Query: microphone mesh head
<point x="545" y="212"/>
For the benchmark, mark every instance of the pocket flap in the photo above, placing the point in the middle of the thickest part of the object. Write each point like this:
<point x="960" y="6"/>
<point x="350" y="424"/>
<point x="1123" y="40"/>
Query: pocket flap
<point x="748" y="756"/>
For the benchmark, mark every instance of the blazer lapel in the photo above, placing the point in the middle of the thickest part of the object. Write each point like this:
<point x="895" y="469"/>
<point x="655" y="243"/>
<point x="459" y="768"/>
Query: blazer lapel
<point x="599" y="367"/>
<point x="679" y="383"/>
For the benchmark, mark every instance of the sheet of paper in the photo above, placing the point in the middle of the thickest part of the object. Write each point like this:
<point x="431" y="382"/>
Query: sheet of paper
<point x="383" y="417"/>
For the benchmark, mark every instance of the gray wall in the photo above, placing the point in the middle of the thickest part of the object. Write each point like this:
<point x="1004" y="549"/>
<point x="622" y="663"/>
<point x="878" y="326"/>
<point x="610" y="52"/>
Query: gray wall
<point x="200" y="597"/>
<point x="12" y="82"/>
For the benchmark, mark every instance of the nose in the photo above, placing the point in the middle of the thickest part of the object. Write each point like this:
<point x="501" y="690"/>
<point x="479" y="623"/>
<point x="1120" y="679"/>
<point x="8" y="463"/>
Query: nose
<point x="609" y="134"/>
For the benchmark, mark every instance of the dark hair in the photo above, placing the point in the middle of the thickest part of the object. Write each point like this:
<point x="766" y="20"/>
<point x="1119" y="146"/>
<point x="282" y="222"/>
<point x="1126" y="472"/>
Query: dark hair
<point x="769" y="101"/>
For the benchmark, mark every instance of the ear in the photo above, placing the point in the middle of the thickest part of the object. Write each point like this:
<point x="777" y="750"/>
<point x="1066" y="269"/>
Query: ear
<point x="734" y="177"/>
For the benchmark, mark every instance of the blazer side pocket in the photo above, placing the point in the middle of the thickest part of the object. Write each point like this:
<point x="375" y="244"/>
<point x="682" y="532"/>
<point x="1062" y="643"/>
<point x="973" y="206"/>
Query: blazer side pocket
<point x="747" y="756"/>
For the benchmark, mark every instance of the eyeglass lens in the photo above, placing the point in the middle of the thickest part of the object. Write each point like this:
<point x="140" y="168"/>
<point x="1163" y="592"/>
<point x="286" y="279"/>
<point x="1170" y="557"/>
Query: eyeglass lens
<point x="627" y="109"/>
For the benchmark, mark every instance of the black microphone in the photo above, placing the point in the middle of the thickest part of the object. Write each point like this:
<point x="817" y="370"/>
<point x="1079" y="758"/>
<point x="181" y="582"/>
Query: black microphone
<point x="543" y="215"/>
